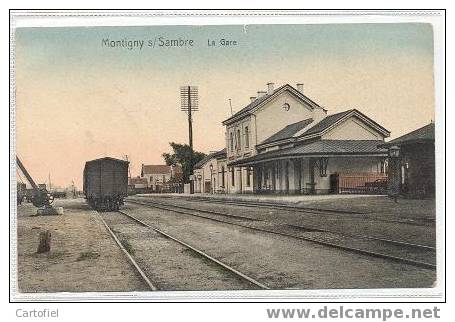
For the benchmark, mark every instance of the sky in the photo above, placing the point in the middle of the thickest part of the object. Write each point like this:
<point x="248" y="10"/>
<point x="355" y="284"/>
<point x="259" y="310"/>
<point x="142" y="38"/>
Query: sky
<point x="77" y="99"/>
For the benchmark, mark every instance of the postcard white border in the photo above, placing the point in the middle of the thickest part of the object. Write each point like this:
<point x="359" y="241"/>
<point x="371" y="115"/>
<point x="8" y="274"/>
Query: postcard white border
<point x="37" y="18"/>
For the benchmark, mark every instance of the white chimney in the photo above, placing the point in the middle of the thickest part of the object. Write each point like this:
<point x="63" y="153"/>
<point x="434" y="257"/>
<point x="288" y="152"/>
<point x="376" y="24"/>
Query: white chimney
<point x="261" y="93"/>
<point x="300" y="87"/>
<point x="252" y="98"/>
<point x="270" y="88"/>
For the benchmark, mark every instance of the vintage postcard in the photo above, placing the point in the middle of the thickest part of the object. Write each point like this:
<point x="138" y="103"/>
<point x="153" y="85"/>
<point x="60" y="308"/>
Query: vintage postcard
<point x="227" y="156"/>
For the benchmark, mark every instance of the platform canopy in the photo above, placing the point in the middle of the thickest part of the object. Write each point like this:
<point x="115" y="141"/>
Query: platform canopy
<point x="320" y="148"/>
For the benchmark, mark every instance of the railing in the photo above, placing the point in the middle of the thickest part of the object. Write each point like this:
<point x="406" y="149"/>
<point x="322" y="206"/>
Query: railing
<point x="365" y="183"/>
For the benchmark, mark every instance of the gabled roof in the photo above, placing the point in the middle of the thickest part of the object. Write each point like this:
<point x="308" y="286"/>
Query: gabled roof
<point x="331" y="120"/>
<point x="317" y="129"/>
<point x="156" y="169"/>
<point x="221" y="154"/>
<point x="320" y="148"/>
<point x="288" y="131"/>
<point x="423" y="134"/>
<point x="267" y="97"/>
<point x="327" y="122"/>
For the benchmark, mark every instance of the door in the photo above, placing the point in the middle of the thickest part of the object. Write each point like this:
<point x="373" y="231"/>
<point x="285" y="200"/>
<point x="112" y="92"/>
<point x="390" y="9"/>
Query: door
<point x="207" y="187"/>
<point x="286" y="177"/>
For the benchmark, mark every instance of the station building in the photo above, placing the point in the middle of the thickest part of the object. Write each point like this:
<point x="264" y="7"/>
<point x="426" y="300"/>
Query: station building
<point x="284" y="142"/>
<point x="210" y="173"/>
<point x="414" y="175"/>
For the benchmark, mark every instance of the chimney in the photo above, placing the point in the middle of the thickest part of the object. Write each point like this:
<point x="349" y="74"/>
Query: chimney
<point x="252" y="98"/>
<point x="270" y="88"/>
<point x="300" y="87"/>
<point x="261" y="93"/>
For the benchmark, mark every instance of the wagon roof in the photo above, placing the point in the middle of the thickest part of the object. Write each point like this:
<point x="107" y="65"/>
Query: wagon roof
<point x="107" y="159"/>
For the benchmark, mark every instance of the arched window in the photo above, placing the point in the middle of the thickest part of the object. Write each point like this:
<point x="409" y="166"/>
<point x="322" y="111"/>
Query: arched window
<point x="232" y="141"/>
<point x="247" y="137"/>
<point x="239" y="140"/>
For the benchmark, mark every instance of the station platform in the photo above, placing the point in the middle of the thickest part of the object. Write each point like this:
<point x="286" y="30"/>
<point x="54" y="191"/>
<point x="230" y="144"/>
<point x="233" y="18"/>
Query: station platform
<point x="378" y="204"/>
<point x="279" y="199"/>
<point x="83" y="255"/>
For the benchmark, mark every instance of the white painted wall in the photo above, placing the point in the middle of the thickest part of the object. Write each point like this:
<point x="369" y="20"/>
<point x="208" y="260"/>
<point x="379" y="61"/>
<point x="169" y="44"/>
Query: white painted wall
<point x="203" y="175"/>
<point x="353" y="129"/>
<point x="157" y="179"/>
<point x="272" y="117"/>
<point x="242" y="150"/>
<point x="346" y="165"/>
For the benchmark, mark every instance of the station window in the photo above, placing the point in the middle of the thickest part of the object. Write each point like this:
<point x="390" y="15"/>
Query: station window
<point x="247" y="137"/>
<point x="232" y="177"/>
<point x="232" y="141"/>
<point x="222" y="176"/>
<point x="248" y="177"/>
<point x="239" y="140"/>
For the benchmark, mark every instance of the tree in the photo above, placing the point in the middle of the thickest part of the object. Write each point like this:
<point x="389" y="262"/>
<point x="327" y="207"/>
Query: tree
<point x="182" y="156"/>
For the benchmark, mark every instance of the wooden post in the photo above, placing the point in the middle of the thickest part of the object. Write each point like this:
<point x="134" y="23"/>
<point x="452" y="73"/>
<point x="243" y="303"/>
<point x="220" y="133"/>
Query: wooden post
<point x="44" y="242"/>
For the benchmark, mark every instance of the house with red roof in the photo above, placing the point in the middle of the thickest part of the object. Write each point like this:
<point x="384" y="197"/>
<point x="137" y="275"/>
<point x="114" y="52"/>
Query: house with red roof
<point x="160" y="176"/>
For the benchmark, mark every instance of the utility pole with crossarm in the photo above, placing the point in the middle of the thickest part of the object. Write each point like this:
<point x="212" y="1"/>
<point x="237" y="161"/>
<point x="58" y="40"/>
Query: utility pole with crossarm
<point x="189" y="102"/>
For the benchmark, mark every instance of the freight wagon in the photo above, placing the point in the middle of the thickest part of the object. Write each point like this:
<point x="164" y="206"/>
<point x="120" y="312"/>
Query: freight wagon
<point x="106" y="183"/>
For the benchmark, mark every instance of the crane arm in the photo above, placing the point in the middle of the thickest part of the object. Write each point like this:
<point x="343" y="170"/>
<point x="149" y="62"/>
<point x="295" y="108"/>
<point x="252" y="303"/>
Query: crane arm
<point x="27" y="175"/>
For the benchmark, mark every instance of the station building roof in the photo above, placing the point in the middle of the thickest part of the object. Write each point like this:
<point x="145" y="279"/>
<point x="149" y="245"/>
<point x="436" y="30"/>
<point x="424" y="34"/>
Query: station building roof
<point x="221" y="154"/>
<point x="316" y="130"/>
<point x="319" y="148"/>
<point x="423" y="134"/>
<point x="268" y="97"/>
<point x="288" y="131"/>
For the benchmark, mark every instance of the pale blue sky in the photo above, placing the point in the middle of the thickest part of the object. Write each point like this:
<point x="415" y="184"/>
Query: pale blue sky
<point x="79" y="47"/>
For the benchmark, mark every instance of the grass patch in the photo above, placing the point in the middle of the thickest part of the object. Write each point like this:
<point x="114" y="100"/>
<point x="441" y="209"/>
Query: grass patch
<point x="56" y="255"/>
<point x="207" y="261"/>
<point x="125" y="243"/>
<point x="129" y="248"/>
<point x="88" y="255"/>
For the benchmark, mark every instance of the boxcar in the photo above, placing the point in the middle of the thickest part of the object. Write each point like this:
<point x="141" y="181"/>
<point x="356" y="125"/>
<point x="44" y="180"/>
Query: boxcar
<point x="106" y="183"/>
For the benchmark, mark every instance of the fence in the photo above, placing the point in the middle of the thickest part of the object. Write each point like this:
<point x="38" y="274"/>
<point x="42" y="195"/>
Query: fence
<point x="359" y="183"/>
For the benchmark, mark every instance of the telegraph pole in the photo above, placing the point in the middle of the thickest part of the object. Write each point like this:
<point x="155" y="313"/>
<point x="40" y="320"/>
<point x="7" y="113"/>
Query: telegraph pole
<point x="189" y="104"/>
<point x="190" y="125"/>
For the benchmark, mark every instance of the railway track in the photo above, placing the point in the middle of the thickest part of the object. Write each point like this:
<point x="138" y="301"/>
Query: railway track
<point x="413" y="254"/>
<point x="307" y="210"/>
<point x="307" y="227"/>
<point x="236" y="278"/>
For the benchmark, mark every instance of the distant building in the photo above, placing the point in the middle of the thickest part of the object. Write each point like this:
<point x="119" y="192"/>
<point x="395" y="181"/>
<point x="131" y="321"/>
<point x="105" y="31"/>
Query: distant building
<point x="210" y="174"/>
<point x="415" y="174"/>
<point x="138" y="183"/>
<point x="161" y="177"/>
